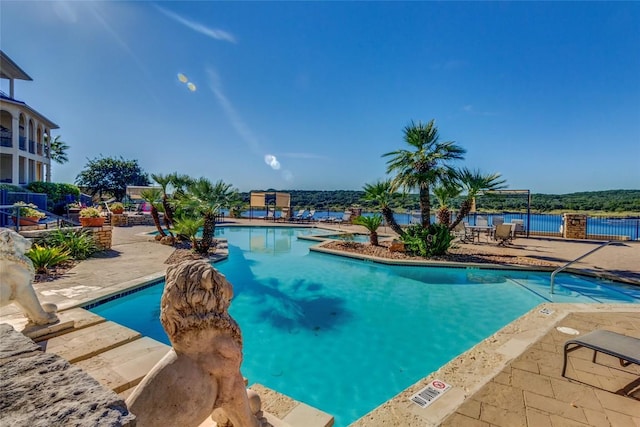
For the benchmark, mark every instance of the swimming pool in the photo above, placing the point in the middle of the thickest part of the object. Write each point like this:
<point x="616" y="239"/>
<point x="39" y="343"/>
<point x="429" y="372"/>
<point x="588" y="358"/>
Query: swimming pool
<point x="345" y="335"/>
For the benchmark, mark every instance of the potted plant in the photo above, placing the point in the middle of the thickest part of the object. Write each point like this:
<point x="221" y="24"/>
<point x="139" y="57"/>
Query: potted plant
<point x="28" y="213"/>
<point x="116" y="208"/>
<point x="91" y="217"/>
<point x="74" y="207"/>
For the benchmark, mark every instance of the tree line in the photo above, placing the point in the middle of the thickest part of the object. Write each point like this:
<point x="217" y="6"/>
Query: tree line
<point x="607" y="201"/>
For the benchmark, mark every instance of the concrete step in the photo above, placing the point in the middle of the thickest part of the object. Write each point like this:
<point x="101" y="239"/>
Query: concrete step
<point x="124" y="367"/>
<point x="81" y="344"/>
<point x="289" y="412"/>
<point x="70" y="320"/>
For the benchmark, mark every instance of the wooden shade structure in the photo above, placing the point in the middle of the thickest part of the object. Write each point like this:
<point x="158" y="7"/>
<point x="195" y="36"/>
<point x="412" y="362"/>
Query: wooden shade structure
<point x="270" y="199"/>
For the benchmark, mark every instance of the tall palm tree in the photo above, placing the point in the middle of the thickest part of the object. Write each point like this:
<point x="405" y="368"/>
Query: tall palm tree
<point x="164" y="181"/>
<point x="382" y="193"/>
<point x="57" y="149"/>
<point x="473" y="183"/>
<point x="153" y="196"/>
<point x="206" y="199"/>
<point x="444" y="192"/>
<point x="424" y="164"/>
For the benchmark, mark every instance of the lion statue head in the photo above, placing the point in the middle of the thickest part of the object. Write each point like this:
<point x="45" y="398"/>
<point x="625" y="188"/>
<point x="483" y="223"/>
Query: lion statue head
<point x="196" y="297"/>
<point x="14" y="246"/>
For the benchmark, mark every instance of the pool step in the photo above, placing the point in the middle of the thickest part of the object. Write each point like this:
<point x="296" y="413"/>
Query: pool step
<point x="70" y="320"/>
<point x="119" y="358"/>
<point x="81" y="344"/>
<point x="300" y="416"/>
<point x="124" y="367"/>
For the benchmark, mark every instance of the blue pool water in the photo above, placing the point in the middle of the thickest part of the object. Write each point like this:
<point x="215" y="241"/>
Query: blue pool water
<point x="345" y="335"/>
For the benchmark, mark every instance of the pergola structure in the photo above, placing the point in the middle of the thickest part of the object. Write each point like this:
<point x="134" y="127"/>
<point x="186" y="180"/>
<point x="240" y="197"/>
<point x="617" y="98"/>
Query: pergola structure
<point x="270" y="200"/>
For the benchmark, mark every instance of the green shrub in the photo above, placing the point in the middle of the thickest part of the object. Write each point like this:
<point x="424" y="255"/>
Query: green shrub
<point x="188" y="228"/>
<point x="13" y="188"/>
<point x="55" y="191"/>
<point x="371" y="223"/>
<point x="90" y="213"/>
<point x="29" y="210"/>
<point x="44" y="258"/>
<point x="79" y="243"/>
<point x="427" y="242"/>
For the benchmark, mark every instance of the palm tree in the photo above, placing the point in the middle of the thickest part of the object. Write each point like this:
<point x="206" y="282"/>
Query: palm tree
<point x="371" y="223"/>
<point x="164" y="181"/>
<point x="473" y="183"/>
<point x="189" y="227"/>
<point x="424" y="164"/>
<point x="382" y="193"/>
<point x="57" y="149"/>
<point x="444" y="192"/>
<point x="206" y="199"/>
<point x="153" y="196"/>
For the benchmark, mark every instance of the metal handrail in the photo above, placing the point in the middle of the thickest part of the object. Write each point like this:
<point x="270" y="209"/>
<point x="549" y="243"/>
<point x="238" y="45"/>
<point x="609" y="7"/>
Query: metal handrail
<point x="558" y="270"/>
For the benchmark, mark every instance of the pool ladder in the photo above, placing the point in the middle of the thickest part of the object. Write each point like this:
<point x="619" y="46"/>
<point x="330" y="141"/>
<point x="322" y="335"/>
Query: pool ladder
<point x="558" y="270"/>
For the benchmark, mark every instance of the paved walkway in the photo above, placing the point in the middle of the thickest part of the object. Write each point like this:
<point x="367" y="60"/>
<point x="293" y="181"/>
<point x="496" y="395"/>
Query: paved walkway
<point x="531" y="391"/>
<point x="526" y="390"/>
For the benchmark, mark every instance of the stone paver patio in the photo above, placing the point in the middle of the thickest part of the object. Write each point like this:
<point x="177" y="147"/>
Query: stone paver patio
<point x="530" y="391"/>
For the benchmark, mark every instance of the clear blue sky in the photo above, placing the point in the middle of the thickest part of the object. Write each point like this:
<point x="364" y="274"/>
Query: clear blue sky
<point x="545" y="93"/>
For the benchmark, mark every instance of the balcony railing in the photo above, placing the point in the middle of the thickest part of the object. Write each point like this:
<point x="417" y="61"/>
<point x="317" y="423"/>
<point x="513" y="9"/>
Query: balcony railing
<point x="22" y="142"/>
<point x="32" y="146"/>
<point x="40" y="145"/>
<point x="5" y="137"/>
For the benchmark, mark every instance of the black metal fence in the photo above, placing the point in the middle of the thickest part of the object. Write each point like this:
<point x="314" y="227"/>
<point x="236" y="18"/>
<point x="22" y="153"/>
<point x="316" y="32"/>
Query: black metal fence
<point x="598" y="227"/>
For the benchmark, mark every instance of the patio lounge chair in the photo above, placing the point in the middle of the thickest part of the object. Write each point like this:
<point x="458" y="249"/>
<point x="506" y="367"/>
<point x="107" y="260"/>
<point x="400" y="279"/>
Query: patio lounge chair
<point x="271" y="215"/>
<point x="346" y="217"/>
<point x="299" y="215"/>
<point x="503" y="234"/>
<point x="625" y="348"/>
<point x="309" y="217"/>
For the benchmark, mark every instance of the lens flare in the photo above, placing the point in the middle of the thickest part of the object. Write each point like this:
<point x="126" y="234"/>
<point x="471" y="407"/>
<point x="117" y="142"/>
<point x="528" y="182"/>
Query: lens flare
<point x="182" y="78"/>
<point x="271" y="160"/>
<point x="191" y="87"/>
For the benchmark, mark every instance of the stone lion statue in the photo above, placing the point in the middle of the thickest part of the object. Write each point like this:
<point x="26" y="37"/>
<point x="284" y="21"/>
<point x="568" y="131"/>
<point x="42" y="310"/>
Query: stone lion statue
<point x="16" y="279"/>
<point x="201" y="373"/>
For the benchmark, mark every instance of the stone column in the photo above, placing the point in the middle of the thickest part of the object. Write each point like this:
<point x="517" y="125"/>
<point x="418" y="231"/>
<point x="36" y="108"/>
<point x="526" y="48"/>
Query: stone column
<point x="102" y="236"/>
<point x="574" y="226"/>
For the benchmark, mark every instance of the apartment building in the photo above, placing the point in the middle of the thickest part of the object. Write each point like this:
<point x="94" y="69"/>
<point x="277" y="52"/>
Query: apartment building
<point x="24" y="133"/>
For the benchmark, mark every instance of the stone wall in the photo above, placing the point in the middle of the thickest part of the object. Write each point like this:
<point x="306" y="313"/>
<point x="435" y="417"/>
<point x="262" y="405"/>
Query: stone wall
<point x="119" y="220"/>
<point x="102" y="236"/>
<point x="574" y="226"/>
<point x="126" y="220"/>
<point x="40" y="389"/>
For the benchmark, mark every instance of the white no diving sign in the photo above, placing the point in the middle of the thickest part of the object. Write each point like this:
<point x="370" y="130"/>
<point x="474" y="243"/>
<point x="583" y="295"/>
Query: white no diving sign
<point x="430" y="393"/>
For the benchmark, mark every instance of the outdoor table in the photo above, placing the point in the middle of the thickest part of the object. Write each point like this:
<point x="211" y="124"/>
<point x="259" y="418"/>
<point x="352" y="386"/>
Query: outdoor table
<point x="477" y="229"/>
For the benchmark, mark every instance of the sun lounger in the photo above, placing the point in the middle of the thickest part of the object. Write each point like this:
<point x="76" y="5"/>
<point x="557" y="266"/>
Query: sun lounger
<point x="299" y="215"/>
<point x="624" y="347"/>
<point x="346" y="218"/>
<point x="310" y="216"/>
